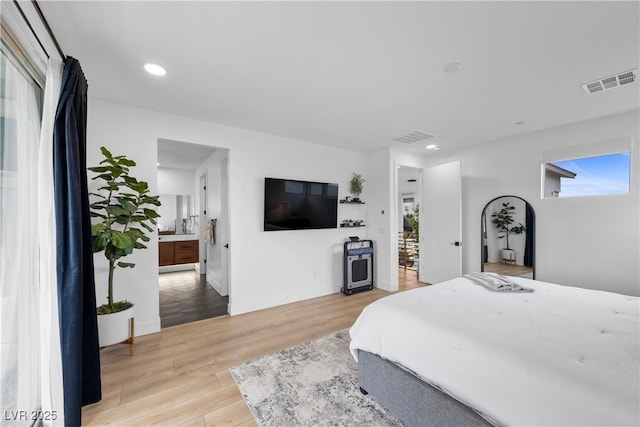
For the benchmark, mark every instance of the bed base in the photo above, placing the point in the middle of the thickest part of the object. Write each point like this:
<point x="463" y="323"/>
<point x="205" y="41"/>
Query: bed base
<point x="410" y="399"/>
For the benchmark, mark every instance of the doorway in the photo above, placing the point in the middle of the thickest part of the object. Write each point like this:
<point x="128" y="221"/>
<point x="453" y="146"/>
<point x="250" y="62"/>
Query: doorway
<point x="407" y="225"/>
<point x="189" y="284"/>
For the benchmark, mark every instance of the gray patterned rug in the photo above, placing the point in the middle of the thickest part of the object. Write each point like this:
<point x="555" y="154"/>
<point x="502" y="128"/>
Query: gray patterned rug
<point x="311" y="384"/>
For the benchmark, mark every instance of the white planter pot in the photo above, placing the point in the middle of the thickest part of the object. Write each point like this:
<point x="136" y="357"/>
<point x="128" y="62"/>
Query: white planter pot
<point x="508" y="255"/>
<point x="115" y="328"/>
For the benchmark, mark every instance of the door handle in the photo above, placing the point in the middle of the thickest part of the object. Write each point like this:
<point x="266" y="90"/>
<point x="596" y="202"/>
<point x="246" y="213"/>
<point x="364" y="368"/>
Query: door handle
<point x="456" y="243"/>
<point x="226" y="246"/>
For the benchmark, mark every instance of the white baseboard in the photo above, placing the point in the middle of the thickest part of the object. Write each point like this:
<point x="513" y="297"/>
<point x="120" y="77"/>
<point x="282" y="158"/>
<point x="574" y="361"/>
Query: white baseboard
<point x="178" y="267"/>
<point x="263" y="303"/>
<point x="386" y="286"/>
<point x="149" y="327"/>
<point x="218" y="287"/>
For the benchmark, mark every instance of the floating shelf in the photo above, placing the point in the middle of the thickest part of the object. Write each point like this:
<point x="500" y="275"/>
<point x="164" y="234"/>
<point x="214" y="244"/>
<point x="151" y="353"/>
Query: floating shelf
<point x="350" y="202"/>
<point x="351" y="226"/>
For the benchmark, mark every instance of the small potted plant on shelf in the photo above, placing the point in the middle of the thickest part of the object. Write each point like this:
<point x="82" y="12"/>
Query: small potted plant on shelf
<point x="503" y="220"/>
<point x="123" y="209"/>
<point x="355" y="186"/>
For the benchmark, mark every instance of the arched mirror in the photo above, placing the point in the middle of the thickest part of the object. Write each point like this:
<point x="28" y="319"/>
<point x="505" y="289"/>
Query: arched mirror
<point x="508" y="237"/>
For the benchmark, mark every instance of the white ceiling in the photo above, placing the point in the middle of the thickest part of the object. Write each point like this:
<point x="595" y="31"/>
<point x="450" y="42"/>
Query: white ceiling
<point x="358" y="74"/>
<point x="181" y="155"/>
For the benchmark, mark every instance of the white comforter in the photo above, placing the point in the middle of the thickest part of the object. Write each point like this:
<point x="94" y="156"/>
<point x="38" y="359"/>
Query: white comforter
<point x="559" y="356"/>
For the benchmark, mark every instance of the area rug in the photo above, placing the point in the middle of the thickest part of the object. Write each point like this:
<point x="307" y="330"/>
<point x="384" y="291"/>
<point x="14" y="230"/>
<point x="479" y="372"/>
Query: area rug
<point x="311" y="384"/>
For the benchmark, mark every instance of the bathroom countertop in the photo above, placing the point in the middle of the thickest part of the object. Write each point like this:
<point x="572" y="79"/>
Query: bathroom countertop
<point x="176" y="237"/>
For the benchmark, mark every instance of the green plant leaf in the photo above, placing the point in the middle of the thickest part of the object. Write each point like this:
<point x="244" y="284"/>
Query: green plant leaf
<point x="105" y="176"/>
<point x="135" y="233"/>
<point x="98" y="228"/>
<point x="122" y="219"/>
<point x="98" y="169"/>
<point x="126" y="264"/>
<point x="128" y="204"/>
<point x="116" y="210"/>
<point x="147" y="227"/>
<point x="121" y="240"/>
<point x="105" y="152"/>
<point x="150" y="213"/>
<point x="126" y="162"/>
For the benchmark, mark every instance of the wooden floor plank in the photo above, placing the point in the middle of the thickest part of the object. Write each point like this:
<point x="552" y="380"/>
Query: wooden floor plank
<point x="180" y="375"/>
<point x="230" y="415"/>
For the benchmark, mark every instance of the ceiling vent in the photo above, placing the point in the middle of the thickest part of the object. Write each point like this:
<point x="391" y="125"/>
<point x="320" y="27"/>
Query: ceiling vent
<point x="413" y="137"/>
<point x="610" y="82"/>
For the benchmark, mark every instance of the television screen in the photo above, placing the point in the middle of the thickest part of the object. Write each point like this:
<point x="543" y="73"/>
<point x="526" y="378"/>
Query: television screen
<point x="299" y="205"/>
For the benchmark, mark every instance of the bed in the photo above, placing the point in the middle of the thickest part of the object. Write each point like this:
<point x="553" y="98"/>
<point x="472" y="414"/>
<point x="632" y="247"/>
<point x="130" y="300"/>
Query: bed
<point x="457" y="353"/>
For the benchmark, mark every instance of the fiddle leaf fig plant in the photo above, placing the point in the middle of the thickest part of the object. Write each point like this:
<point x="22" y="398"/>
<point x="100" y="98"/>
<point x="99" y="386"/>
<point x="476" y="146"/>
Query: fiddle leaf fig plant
<point x="503" y="220"/>
<point x="124" y="212"/>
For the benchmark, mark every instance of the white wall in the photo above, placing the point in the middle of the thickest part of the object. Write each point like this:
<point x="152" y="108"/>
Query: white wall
<point x="266" y="269"/>
<point x="382" y="218"/>
<point x="591" y="242"/>
<point x="176" y="181"/>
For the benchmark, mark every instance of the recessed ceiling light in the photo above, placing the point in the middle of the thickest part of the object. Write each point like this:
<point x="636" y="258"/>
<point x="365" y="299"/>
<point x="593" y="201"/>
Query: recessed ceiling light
<point x="155" y="69"/>
<point x="431" y="147"/>
<point x="436" y="148"/>
<point x="454" y="67"/>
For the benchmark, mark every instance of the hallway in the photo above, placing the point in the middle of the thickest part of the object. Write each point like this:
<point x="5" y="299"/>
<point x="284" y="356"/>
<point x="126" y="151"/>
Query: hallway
<point x="408" y="279"/>
<point x="186" y="297"/>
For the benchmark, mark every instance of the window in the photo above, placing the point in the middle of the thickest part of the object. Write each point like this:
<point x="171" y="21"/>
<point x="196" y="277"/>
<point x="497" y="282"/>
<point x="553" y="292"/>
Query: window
<point x="593" y="170"/>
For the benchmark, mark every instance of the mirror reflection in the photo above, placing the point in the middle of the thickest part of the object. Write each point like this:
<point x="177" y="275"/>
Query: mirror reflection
<point x="508" y="237"/>
<point x="177" y="214"/>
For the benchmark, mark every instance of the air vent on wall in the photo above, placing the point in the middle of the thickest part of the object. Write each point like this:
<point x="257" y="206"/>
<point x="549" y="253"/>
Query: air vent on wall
<point x="413" y="137"/>
<point x="610" y="82"/>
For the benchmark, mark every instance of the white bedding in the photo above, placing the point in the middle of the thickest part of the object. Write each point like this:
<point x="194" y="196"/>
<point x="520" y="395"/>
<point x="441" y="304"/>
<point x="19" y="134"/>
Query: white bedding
<point x="559" y="356"/>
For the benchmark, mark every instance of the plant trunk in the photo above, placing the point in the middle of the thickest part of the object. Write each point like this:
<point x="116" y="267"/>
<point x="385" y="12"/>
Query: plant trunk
<point x="508" y="240"/>
<point x="110" y="291"/>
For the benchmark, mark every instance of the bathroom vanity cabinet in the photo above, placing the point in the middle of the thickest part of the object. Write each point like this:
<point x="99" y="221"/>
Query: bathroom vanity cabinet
<point x="178" y="252"/>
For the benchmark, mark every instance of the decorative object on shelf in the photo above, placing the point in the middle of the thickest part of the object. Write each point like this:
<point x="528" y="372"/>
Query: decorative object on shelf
<point x="355" y="186"/>
<point x="503" y="221"/>
<point x="124" y="209"/>
<point x="352" y="223"/>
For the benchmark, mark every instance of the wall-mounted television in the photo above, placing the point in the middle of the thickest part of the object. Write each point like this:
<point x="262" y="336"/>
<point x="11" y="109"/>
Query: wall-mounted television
<point x="299" y="205"/>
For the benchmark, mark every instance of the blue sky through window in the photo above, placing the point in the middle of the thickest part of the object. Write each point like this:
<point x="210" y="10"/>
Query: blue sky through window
<point x="609" y="174"/>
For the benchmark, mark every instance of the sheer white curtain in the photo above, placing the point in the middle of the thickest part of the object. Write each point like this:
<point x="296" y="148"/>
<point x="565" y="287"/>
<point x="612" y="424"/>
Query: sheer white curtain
<point x="50" y="361"/>
<point x="30" y="369"/>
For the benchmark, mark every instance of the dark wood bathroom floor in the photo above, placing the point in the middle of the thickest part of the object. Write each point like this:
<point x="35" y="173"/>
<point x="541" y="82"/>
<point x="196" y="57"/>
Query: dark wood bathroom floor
<point x="186" y="297"/>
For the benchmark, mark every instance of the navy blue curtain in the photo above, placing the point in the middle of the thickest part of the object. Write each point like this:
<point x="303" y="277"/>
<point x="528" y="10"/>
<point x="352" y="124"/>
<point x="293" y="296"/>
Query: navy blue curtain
<point x="76" y="291"/>
<point x="530" y="224"/>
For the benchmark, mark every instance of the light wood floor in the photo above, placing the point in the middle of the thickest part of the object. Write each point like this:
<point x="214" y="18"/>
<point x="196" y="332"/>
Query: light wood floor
<point x="507" y="269"/>
<point x="180" y="375"/>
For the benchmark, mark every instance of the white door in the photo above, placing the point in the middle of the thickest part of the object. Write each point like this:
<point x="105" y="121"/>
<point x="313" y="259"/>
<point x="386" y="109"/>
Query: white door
<point x="224" y="224"/>
<point x="202" y="217"/>
<point x="441" y="223"/>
